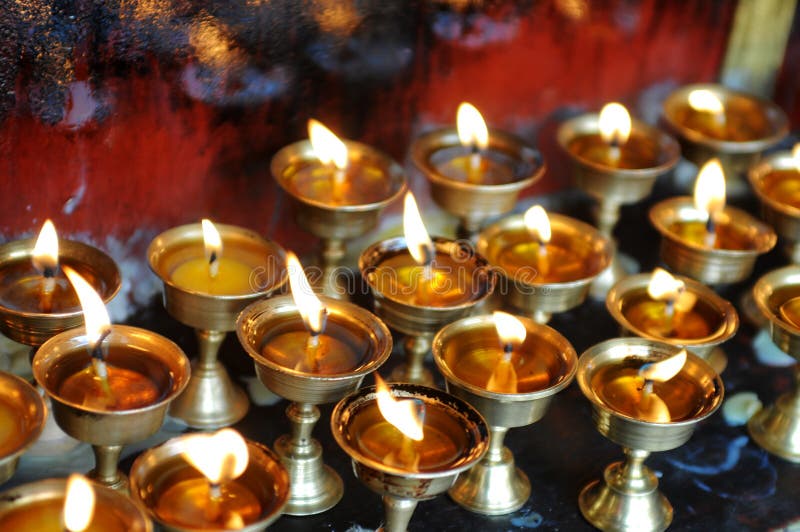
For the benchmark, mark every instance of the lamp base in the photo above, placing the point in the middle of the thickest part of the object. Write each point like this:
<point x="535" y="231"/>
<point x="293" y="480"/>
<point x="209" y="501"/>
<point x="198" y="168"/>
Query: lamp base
<point x="628" y="500"/>
<point x="492" y="487"/>
<point x="210" y="400"/>
<point x="414" y="371"/>
<point x="777" y="427"/>
<point x="313" y="486"/>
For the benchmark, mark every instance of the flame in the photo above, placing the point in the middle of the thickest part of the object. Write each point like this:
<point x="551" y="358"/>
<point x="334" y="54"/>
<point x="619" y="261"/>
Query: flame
<point x="45" y="251"/>
<point x="327" y="146"/>
<point x="705" y="101"/>
<point x="220" y="456"/>
<point x="664" y="370"/>
<point x="78" y="503"/>
<point x="509" y="328"/>
<point x="663" y="285"/>
<point x="95" y="314"/>
<point x="615" y="124"/>
<point x="709" y="189"/>
<point x="472" y="130"/>
<point x="538" y="223"/>
<point x="213" y="246"/>
<point x="401" y="414"/>
<point x="308" y="304"/>
<point x="796" y="155"/>
<point x="417" y="239"/>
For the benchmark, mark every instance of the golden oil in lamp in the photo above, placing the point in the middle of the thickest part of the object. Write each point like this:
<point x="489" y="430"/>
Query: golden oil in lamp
<point x="210" y="482"/>
<point x="340" y="188"/>
<point x="776" y="182"/>
<point x="109" y="385"/>
<point x="310" y="351"/>
<point x="546" y="262"/>
<point x="509" y="369"/>
<point x="475" y="173"/>
<point x="421" y="284"/>
<point x="210" y="273"/>
<point x="674" y="310"/>
<point x="70" y="505"/>
<point x="706" y="240"/>
<point x="646" y="396"/>
<point x="776" y="428"/>
<point x="408" y="443"/>
<point x="36" y="299"/>
<point x="616" y="160"/>
<point x="711" y="120"/>
<point x="22" y="418"/>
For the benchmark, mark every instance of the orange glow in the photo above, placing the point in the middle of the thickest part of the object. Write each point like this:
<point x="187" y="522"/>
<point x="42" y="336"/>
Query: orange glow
<point x="796" y="155"/>
<point x="220" y="456"/>
<point x="308" y="304"/>
<point x="418" y="240"/>
<point x="402" y="414"/>
<point x="709" y="189"/>
<point x="328" y="148"/>
<point x="614" y="124"/>
<point x="95" y="314"/>
<point x="705" y="101"/>
<point x="45" y="251"/>
<point x="663" y="285"/>
<point x="538" y="223"/>
<point x="213" y="246"/>
<point x="664" y="370"/>
<point x="78" y="503"/>
<point x="472" y="130"/>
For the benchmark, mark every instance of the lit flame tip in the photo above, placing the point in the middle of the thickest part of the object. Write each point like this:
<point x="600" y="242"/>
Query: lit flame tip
<point x="418" y="240"/>
<point x="796" y="153"/>
<point x="45" y="251"/>
<point x="509" y="328"/>
<point x="78" y="503"/>
<point x="471" y="127"/>
<point x="402" y="414"/>
<point x="663" y="285"/>
<point x="327" y="146"/>
<point x="664" y="370"/>
<point x="706" y="101"/>
<point x="709" y="189"/>
<point x="220" y="456"/>
<point x="538" y="223"/>
<point x="308" y="304"/>
<point x="95" y="314"/>
<point x="614" y="123"/>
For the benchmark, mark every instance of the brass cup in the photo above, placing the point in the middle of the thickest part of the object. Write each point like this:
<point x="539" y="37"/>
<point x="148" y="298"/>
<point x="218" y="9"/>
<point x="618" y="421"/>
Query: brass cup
<point x="335" y="224"/>
<point x="494" y="486"/>
<point x="628" y="498"/>
<point x="211" y="400"/>
<point x="521" y="290"/>
<point x="784" y="218"/>
<point x="34" y="328"/>
<point x="30" y="409"/>
<point x="419" y="323"/>
<point x="108" y="430"/>
<point x="709" y="304"/>
<point x="315" y="487"/>
<point x="109" y="504"/>
<point x="400" y="488"/>
<point x="475" y="203"/>
<point x="157" y="469"/>
<point x="777" y="427"/>
<point x="613" y="187"/>
<point x="735" y="157"/>
<point x="710" y="266"/>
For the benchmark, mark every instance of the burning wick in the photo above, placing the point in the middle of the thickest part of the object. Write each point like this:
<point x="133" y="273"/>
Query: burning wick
<point x="420" y="245"/>
<point x="79" y="503"/>
<point x="213" y="247"/>
<point x="472" y="133"/>
<point x="651" y="407"/>
<point x="98" y="326"/>
<point x="614" y="124"/>
<point x="709" y="197"/>
<point x="408" y="417"/>
<point x="313" y="312"/>
<point x="330" y="151"/>
<point x="45" y="260"/>
<point x="538" y="224"/>
<point x="510" y="331"/>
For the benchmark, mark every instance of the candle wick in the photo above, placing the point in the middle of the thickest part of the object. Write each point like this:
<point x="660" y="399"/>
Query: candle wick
<point x="48" y="272"/>
<point x="215" y="490"/>
<point x="711" y="231"/>
<point x="508" y="352"/>
<point x="213" y="265"/>
<point x="647" y="389"/>
<point x="97" y="348"/>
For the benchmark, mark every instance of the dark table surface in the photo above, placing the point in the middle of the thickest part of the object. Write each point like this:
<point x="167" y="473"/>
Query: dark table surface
<point x="719" y="480"/>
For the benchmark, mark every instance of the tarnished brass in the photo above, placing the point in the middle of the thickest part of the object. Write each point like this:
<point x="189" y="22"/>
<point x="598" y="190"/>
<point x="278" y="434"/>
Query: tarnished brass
<point x="494" y="485"/>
